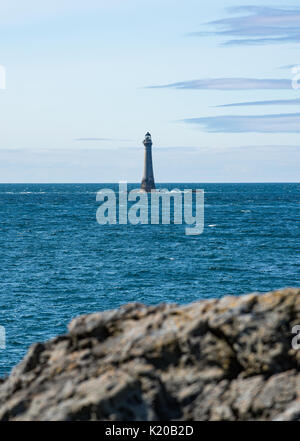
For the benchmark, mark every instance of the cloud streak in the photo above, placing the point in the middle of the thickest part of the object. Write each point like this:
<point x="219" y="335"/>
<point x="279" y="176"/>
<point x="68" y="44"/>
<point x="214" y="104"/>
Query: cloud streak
<point x="258" y="26"/>
<point x="102" y="139"/>
<point x="292" y="102"/>
<point x="275" y="123"/>
<point x="228" y="84"/>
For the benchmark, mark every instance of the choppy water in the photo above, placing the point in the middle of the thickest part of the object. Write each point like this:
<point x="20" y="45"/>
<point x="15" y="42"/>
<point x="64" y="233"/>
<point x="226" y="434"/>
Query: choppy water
<point x="56" y="262"/>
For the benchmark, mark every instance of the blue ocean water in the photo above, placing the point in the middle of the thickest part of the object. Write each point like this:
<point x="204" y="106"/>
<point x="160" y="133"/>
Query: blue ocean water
<point x="57" y="262"/>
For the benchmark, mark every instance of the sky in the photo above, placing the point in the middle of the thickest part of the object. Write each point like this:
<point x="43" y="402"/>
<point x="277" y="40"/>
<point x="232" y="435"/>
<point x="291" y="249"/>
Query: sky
<point x="216" y="83"/>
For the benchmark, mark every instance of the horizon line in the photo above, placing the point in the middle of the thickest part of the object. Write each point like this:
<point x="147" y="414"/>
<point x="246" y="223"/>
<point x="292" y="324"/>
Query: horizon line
<point x="157" y="183"/>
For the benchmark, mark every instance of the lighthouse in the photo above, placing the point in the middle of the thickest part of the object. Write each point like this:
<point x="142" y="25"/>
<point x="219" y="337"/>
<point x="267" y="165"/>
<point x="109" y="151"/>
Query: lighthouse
<point x="148" y="183"/>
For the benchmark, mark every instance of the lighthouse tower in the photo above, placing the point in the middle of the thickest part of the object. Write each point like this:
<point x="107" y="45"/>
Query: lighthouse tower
<point x="148" y="183"/>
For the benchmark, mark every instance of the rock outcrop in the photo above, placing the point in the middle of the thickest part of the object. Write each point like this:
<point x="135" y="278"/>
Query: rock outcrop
<point x="219" y="359"/>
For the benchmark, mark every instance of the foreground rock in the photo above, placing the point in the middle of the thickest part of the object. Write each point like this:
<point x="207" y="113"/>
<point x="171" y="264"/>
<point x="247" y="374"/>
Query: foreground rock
<point x="227" y="359"/>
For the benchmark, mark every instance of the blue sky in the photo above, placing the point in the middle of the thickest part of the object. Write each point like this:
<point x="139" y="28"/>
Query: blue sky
<point x="211" y="81"/>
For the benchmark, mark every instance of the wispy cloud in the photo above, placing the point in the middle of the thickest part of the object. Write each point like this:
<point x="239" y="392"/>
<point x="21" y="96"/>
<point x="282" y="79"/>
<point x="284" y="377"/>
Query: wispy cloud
<point x="102" y="139"/>
<point x="276" y="123"/>
<point x="263" y="103"/>
<point x="228" y="84"/>
<point x="288" y="66"/>
<point x="259" y="25"/>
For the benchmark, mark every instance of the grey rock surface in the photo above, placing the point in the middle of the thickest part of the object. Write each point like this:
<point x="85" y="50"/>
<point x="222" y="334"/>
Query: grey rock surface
<point x="219" y="359"/>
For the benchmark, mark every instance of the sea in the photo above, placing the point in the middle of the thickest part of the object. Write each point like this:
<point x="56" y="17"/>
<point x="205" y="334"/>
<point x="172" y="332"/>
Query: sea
<point x="57" y="262"/>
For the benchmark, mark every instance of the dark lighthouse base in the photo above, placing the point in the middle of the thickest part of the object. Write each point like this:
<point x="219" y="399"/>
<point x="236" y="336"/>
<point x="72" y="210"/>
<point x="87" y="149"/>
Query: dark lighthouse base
<point x="148" y="185"/>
